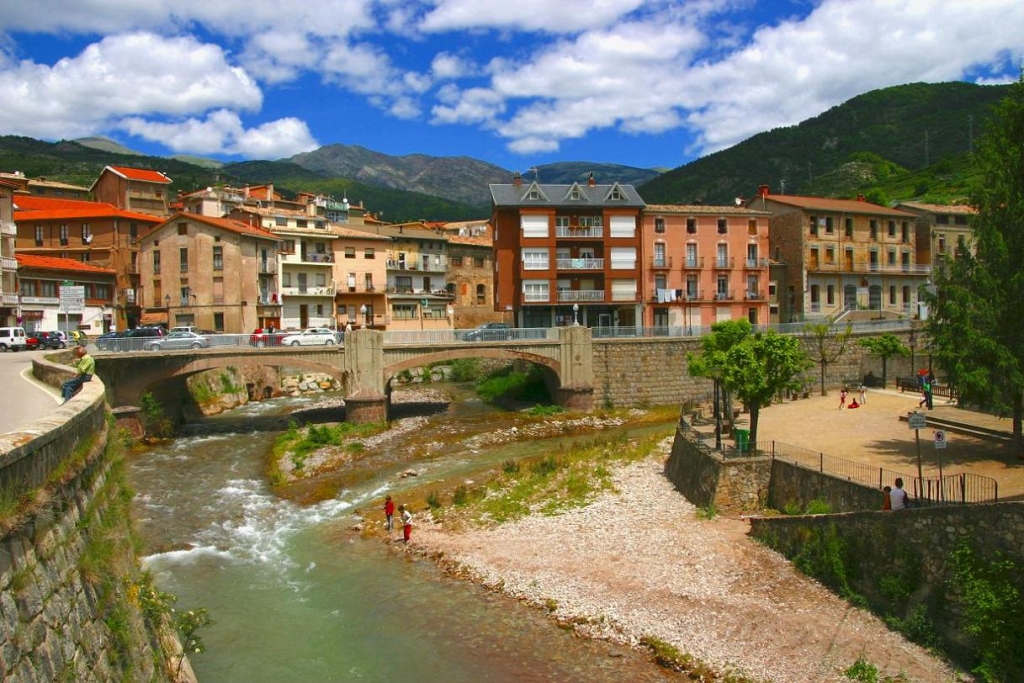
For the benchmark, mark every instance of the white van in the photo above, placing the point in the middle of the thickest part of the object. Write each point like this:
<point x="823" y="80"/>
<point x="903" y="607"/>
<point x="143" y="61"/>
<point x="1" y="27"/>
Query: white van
<point x="12" y="338"/>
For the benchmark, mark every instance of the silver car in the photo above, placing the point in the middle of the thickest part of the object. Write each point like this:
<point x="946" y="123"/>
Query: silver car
<point x="313" y="336"/>
<point x="178" y="340"/>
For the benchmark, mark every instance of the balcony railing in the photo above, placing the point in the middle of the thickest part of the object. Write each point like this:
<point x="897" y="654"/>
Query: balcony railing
<point x="661" y="262"/>
<point x="267" y="267"/>
<point x="396" y="264"/>
<point x="269" y="299"/>
<point x="693" y="262"/>
<point x="319" y="259"/>
<point x="537" y="297"/>
<point x="835" y="267"/>
<point x="753" y="263"/>
<point x="723" y="262"/>
<point x="580" y="264"/>
<point x="753" y="295"/>
<point x="8" y="263"/>
<point x="324" y="290"/>
<point x="727" y="295"/>
<point x="581" y="295"/>
<point x="578" y="232"/>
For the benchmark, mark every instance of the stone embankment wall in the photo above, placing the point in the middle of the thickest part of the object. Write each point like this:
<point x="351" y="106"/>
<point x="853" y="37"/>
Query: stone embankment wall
<point x="653" y="371"/>
<point x="64" y="533"/>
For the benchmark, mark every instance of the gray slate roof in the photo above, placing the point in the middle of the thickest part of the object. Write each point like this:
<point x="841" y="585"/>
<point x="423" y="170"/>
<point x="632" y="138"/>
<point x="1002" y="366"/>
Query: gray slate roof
<point x="591" y="196"/>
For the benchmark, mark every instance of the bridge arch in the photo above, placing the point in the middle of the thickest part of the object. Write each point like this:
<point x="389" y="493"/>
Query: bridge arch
<point x="551" y="366"/>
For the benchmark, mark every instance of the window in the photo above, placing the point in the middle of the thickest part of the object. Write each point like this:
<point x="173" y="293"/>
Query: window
<point x="829" y="227"/>
<point x="86" y="257"/>
<point x="659" y="225"/>
<point x="319" y="225"/>
<point x="86" y="233"/>
<point x="659" y="255"/>
<point x="286" y="279"/>
<point x="478" y="261"/>
<point x="691" y="226"/>
<point x="752" y="226"/>
<point x="63" y="234"/>
<point x="481" y="294"/>
<point x="814" y="226"/>
<point x="616" y="194"/>
<point x="133" y="233"/>
<point x="575" y="193"/>
<point x="404" y="311"/>
<point x="752" y="256"/>
<point x="50" y="288"/>
<point x="218" y="258"/>
<point x="891" y="257"/>
<point x="536" y="259"/>
<point x="183" y="259"/>
<point x="848" y="226"/>
<point x="182" y="228"/>
<point x="723" y="226"/>
<point x="456" y="261"/>
<point x="536" y="291"/>
<point x="906" y="296"/>
<point x="623" y="258"/>
<point x="830" y="255"/>
<point x="892" y="228"/>
<point x="534" y="226"/>
<point x="350" y="252"/>
<point x="39" y="235"/>
<point x="722" y="287"/>
<point x="561" y="221"/>
<point x="830" y="295"/>
<point x="281" y="221"/>
<point x="905" y="232"/>
<point x="301" y="223"/>
<point x="370" y="253"/>
<point x="156" y="263"/>
<point x="321" y="280"/>
<point x="874" y="229"/>
<point x="941" y="219"/>
<point x="623" y="226"/>
<point x="218" y="322"/>
<point x="942" y="244"/>
<point x="660" y="281"/>
<point x="288" y="247"/>
<point x="722" y="256"/>
<point x="623" y="290"/>
<point x="691" y="256"/>
<point x="691" y="287"/>
<point x="368" y="282"/>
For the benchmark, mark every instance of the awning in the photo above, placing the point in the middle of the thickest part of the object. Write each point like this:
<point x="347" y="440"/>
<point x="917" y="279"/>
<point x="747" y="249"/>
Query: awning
<point x="153" y="318"/>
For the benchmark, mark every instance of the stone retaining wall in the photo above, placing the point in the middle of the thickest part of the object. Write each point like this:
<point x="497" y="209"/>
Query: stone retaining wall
<point x="707" y="478"/>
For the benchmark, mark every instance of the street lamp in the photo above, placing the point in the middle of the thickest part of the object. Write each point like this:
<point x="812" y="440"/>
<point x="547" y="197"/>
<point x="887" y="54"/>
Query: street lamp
<point x="913" y="347"/>
<point x="575" y="315"/>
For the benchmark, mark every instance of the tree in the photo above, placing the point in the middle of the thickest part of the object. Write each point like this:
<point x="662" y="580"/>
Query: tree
<point x="712" y="359"/>
<point x="825" y="345"/>
<point x="887" y="346"/>
<point x="759" y="367"/>
<point x="976" y="325"/>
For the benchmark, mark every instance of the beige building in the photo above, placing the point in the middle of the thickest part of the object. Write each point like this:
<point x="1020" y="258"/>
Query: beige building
<point x="471" y="273"/>
<point x="214" y="273"/>
<point x="40" y="280"/>
<point x="133" y="189"/>
<point x="8" y="265"/>
<point x="41" y="187"/>
<point x="844" y="259"/>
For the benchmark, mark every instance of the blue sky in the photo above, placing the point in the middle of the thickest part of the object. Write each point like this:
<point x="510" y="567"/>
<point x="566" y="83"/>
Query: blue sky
<point x="650" y="83"/>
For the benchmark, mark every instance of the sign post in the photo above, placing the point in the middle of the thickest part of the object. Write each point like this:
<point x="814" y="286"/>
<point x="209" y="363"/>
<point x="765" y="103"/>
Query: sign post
<point x="917" y="422"/>
<point x="72" y="300"/>
<point x="940" y="445"/>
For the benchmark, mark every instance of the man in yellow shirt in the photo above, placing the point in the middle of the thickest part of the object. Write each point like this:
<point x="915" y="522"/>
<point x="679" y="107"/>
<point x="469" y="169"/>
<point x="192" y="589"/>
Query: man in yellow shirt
<point x="85" y="366"/>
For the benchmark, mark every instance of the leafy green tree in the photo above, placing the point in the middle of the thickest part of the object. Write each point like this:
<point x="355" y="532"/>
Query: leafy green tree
<point x="885" y="347"/>
<point x="759" y="367"/>
<point x="976" y="325"/>
<point x="825" y="345"/>
<point x="712" y="359"/>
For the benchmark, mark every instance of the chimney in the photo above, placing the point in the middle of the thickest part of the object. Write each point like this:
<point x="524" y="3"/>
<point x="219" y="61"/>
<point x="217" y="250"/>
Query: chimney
<point x="861" y="198"/>
<point x="762" y="191"/>
<point x="590" y="181"/>
<point x="517" y="179"/>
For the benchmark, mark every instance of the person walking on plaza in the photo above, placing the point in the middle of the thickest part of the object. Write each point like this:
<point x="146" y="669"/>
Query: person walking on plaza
<point x="863" y="391"/>
<point x="85" y="366"/>
<point x="406" y="523"/>
<point x="899" y="500"/>
<point x="842" y="398"/>
<point x="389" y="512"/>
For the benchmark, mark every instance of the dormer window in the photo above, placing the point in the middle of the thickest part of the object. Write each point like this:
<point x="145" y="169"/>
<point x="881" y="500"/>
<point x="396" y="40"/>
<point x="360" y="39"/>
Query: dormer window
<point x="616" y="194"/>
<point x="534" y="194"/>
<point x="575" y="193"/>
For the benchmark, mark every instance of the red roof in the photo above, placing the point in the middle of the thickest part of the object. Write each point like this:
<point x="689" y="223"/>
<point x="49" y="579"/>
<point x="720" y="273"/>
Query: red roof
<point x="229" y="224"/>
<point x="29" y="202"/>
<point x="61" y="264"/>
<point x="29" y="208"/>
<point x="828" y="204"/>
<point x="139" y="174"/>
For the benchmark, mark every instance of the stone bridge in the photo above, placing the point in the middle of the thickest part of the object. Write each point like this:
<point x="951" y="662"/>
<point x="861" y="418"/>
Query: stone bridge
<point x="365" y="366"/>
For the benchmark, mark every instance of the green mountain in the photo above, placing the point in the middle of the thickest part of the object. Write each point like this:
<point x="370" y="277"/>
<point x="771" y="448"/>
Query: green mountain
<point x="107" y="145"/>
<point x="885" y="140"/>
<point x="568" y="172"/>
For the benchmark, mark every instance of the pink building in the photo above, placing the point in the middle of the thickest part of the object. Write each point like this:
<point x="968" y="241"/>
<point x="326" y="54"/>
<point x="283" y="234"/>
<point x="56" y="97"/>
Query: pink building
<point x="703" y="264"/>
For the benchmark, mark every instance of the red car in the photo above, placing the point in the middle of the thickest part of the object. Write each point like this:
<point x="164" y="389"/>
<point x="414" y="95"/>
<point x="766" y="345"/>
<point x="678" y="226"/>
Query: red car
<point x="32" y="341"/>
<point x="261" y="337"/>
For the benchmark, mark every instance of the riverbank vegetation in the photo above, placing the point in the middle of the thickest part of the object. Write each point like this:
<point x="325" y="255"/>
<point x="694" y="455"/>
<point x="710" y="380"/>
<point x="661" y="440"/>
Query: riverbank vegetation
<point x="292" y="455"/>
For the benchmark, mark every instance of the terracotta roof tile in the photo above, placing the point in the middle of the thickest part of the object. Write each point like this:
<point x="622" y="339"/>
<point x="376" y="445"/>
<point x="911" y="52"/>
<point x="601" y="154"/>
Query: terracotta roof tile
<point x="711" y="209"/>
<point x="29" y="208"/>
<point x="958" y="209"/>
<point x="61" y="264"/>
<point x="229" y="224"/>
<point x="141" y="174"/>
<point x="828" y="204"/>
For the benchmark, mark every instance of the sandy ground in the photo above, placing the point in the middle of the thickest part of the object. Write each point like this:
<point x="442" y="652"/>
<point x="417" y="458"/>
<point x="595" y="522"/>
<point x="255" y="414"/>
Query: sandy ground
<point x="639" y="562"/>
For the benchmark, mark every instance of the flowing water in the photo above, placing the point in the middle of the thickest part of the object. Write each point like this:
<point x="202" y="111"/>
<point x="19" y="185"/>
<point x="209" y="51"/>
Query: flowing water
<point x="296" y="596"/>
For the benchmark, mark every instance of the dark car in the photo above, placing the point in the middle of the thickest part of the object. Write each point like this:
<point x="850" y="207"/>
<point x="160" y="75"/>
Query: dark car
<point x="105" y="340"/>
<point x="489" y="332"/>
<point x="135" y="340"/>
<point x="51" y="340"/>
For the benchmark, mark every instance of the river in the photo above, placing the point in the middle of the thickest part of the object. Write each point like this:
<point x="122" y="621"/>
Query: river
<point x="295" y="595"/>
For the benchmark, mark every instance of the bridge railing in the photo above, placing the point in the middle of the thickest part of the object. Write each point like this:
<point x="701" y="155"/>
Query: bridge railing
<point x="460" y="336"/>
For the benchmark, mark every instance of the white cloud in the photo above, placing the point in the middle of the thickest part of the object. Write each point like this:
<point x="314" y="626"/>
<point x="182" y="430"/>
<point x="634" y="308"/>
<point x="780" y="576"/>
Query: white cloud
<point x="446" y="66"/>
<point x="134" y="74"/>
<point x="563" y="16"/>
<point x="222" y="132"/>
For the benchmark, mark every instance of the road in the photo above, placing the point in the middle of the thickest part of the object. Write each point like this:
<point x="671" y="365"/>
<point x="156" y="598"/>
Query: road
<point x="27" y="398"/>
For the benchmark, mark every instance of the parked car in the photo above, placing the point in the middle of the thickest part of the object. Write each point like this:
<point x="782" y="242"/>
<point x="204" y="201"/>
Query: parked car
<point x="489" y="332"/>
<point x="51" y="340"/>
<point x="32" y="341"/>
<point x="261" y="337"/>
<point x="178" y="340"/>
<point x="104" y="342"/>
<point x="310" y="337"/>
<point x="12" y="338"/>
<point x="134" y="340"/>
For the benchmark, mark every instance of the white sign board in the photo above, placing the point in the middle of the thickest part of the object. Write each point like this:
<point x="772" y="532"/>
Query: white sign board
<point x="917" y="420"/>
<point x="72" y="299"/>
<point x="940" y="439"/>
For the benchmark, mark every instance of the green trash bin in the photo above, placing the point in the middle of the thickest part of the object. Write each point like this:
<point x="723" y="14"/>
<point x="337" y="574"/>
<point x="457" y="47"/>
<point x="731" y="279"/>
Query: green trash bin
<point x="742" y="440"/>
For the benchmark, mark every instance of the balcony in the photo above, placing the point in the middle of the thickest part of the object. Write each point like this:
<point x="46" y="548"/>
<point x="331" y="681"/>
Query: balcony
<point x="267" y="267"/>
<point x="661" y="262"/>
<point x="8" y="228"/>
<point x="578" y="232"/>
<point x="586" y="295"/>
<point x="693" y="263"/>
<point x="726" y="295"/>
<point x="724" y="263"/>
<point x="268" y="299"/>
<point x="316" y="259"/>
<point x="753" y="295"/>
<point x="327" y="290"/>
<point x="9" y="299"/>
<point x="755" y="263"/>
<point x="580" y="264"/>
<point x="536" y="297"/>
<point x="8" y="263"/>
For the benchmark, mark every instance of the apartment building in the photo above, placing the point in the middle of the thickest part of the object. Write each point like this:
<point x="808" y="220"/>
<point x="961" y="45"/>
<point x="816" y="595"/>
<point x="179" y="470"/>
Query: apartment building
<point x="133" y="189"/>
<point x="844" y="259"/>
<point x="213" y="273"/>
<point x="41" y="187"/>
<point x="9" y="313"/>
<point x="940" y="228"/>
<point x="40" y="280"/>
<point x="97" y="233"/>
<point x="471" y="273"/>
<point x="703" y="264"/>
<point x="418" y="296"/>
<point x="360" y="269"/>
<point x="567" y="253"/>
